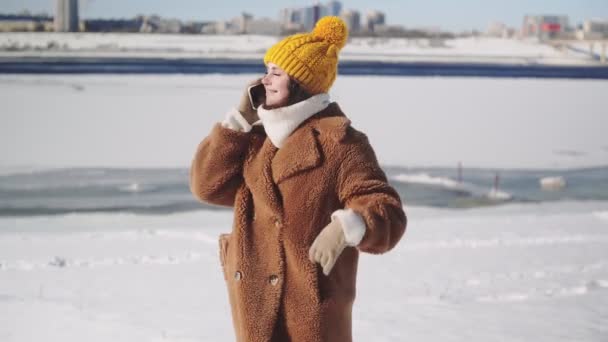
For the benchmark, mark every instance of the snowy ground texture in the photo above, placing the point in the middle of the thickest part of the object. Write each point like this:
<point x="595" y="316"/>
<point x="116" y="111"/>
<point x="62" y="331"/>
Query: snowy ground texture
<point x="511" y="273"/>
<point x="471" y="50"/>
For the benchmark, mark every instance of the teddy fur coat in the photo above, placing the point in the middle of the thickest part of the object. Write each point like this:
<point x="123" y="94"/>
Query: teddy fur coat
<point x="282" y="199"/>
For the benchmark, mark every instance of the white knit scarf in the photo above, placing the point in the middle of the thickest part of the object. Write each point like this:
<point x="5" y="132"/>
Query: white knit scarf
<point x="280" y="122"/>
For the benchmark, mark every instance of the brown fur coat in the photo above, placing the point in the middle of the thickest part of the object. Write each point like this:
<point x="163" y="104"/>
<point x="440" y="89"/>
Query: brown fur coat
<point x="282" y="199"/>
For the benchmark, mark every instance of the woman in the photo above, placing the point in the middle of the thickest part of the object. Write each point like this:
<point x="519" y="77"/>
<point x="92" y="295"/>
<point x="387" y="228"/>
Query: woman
<point x="308" y="196"/>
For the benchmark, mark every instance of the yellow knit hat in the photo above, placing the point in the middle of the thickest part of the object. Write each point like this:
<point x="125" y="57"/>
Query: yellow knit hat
<point x="311" y="58"/>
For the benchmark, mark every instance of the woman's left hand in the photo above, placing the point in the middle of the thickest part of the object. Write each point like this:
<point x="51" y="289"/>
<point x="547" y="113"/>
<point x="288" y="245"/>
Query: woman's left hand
<point x="328" y="246"/>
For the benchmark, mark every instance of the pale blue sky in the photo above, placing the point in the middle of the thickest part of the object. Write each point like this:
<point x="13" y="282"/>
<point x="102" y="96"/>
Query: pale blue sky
<point x="446" y="14"/>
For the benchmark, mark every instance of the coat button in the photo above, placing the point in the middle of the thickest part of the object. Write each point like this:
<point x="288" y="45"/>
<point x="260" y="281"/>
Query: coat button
<point x="237" y="276"/>
<point x="274" y="279"/>
<point x="277" y="223"/>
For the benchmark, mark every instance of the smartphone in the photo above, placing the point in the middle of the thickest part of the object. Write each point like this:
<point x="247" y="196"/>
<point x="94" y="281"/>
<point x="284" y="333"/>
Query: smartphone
<point x="257" y="93"/>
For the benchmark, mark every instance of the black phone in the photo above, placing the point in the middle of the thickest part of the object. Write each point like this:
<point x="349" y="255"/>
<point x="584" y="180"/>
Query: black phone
<point x="257" y="94"/>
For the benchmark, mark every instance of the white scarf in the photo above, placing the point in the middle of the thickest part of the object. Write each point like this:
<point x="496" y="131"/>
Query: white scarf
<point x="280" y="122"/>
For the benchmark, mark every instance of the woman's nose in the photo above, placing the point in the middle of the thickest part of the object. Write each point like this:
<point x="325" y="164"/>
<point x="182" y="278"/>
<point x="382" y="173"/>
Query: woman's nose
<point x="265" y="80"/>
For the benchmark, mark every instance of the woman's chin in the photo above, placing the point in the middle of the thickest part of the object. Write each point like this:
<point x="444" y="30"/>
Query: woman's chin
<point x="269" y="104"/>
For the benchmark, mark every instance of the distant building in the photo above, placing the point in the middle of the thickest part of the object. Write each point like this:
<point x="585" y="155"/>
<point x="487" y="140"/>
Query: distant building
<point x="310" y="17"/>
<point x="499" y="30"/>
<point x="352" y="18"/>
<point x="113" y="25"/>
<point x="209" y="28"/>
<point x="595" y="29"/>
<point x="332" y="8"/>
<point x="240" y="24"/>
<point x="243" y="24"/>
<point x="545" y="26"/>
<point x="373" y="19"/>
<point x="26" y="23"/>
<point x="264" y="26"/>
<point x="389" y="30"/>
<point x="290" y="20"/>
<point x="155" y="24"/>
<point x="286" y="16"/>
<point x="66" y="16"/>
<point x="194" y="27"/>
<point x="219" y="27"/>
<point x="305" y="18"/>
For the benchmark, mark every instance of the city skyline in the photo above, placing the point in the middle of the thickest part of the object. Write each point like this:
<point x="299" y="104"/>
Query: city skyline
<point x="466" y="15"/>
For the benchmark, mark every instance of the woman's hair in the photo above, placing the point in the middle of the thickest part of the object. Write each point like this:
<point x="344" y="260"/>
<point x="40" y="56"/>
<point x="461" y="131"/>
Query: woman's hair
<point x="297" y="93"/>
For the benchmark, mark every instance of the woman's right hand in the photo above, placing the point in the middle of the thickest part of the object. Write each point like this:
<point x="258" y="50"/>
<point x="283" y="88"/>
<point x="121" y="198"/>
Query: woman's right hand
<point x="245" y="108"/>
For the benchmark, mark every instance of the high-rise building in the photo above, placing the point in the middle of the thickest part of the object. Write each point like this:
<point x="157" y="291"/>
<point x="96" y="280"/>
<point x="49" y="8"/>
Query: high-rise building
<point x="308" y="18"/>
<point x="66" y="16"/>
<point x="240" y="24"/>
<point x="373" y="19"/>
<point x="286" y="16"/>
<point x="290" y="19"/>
<point x="305" y="18"/>
<point x="352" y="18"/>
<point x="333" y="8"/>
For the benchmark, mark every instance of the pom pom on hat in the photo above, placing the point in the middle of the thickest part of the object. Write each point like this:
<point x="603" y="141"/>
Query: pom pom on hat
<point x="332" y="30"/>
<point x="312" y="58"/>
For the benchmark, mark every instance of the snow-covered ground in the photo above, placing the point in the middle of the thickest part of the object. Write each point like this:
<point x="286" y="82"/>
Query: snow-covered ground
<point x="480" y="50"/>
<point x="512" y="273"/>
<point x="139" y="121"/>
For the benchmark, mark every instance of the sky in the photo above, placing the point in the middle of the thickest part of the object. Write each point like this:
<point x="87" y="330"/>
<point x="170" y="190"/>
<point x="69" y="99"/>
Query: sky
<point x="444" y="14"/>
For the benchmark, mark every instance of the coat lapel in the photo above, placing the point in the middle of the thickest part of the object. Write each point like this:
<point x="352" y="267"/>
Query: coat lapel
<point x="269" y="166"/>
<point x="300" y="152"/>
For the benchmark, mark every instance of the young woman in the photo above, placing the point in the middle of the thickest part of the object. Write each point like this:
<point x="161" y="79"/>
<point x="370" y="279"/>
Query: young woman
<point x="308" y="196"/>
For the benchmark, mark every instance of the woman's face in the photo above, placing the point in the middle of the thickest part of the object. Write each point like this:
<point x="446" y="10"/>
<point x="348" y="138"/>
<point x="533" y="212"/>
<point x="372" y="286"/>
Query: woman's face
<point x="276" y="83"/>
